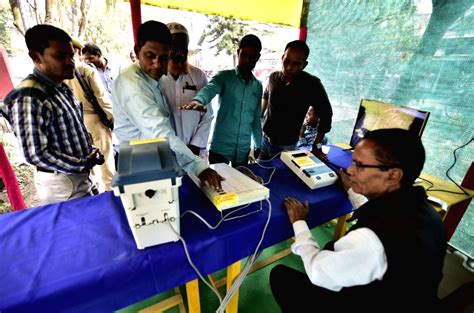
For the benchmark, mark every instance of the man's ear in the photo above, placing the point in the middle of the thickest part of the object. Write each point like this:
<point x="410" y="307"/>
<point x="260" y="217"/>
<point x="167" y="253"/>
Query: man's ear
<point x="35" y="56"/>
<point x="395" y="176"/>
<point x="305" y="63"/>
<point x="137" y="50"/>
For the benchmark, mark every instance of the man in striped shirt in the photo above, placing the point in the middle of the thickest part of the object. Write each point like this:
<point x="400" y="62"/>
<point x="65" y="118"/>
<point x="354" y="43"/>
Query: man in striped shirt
<point x="48" y="120"/>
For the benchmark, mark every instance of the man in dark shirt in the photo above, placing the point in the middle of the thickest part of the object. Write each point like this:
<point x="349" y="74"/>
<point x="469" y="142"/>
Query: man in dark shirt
<point x="287" y="98"/>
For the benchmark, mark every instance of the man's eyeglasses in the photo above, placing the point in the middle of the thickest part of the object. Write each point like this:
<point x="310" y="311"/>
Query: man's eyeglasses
<point x="382" y="167"/>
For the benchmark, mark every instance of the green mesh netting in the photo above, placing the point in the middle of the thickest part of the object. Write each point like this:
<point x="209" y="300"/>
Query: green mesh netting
<point x="418" y="54"/>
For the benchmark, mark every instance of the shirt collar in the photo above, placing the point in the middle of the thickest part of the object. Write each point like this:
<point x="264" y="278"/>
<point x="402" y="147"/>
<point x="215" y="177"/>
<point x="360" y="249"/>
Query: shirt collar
<point x="107" y="67"/>
<point x="45" y="78"/>
<point x="295" y="79"/>
<point x="239" y="74"/>
<point x="146" y="76"/>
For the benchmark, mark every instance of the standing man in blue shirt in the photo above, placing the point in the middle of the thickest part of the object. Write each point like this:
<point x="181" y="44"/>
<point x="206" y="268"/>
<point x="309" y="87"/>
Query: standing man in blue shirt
<point x="93" y="55"/>
<point x="140" y="108"/>
<point x="48" y="120"/>
<point x="238" y="116"/>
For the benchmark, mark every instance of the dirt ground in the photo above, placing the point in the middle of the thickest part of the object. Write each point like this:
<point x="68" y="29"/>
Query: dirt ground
<point x="23" y="171"/>
<point x="24" y="174"/>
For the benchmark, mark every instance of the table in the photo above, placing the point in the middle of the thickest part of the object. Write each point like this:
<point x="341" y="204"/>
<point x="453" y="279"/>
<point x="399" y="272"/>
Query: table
<point x="80" y="256"/>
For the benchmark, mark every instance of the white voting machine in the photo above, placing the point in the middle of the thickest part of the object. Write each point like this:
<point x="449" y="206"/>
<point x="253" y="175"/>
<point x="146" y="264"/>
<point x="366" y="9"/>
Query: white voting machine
<point x="237" y="188"/>
<point x="311" y="170"/>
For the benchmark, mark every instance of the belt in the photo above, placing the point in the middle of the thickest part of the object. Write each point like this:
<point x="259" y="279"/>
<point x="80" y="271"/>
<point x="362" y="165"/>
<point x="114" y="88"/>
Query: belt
<point x="40" y="169"/>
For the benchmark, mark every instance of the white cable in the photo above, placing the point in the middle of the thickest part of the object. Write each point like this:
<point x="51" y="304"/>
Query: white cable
<point x="223" y="217"/>
<point x="271" y="175"/>
<point x="268" y="168"/>
<point x="250" y="261"/>
<point x="191" y="262"/>
<point x="260" y="161"/>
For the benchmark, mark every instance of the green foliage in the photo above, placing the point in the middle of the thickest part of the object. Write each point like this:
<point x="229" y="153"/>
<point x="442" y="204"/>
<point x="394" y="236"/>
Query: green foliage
<point x="112" y="32"/>
<point x="224" y="34"/>
<point x="5" y="38"/>
<point x="404" y="52"/>
<point x="103" y="30"/>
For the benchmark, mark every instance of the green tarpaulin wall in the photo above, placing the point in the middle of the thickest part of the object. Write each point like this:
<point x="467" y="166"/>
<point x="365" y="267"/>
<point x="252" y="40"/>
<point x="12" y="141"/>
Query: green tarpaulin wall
<point x="418" y="54"/>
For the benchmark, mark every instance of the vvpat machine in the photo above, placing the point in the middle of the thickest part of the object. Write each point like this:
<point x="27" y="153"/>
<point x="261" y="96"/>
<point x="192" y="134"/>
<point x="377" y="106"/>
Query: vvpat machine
<point x="311" y="170"/>
<point x="147" y="182"/>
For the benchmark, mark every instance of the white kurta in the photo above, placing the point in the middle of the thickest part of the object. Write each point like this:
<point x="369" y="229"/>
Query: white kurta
<point x="358" y="257"/>
<point x="192" y="127"/>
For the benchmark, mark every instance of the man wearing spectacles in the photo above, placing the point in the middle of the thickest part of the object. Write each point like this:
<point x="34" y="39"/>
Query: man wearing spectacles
<point x="391" y="260"/>
<point x="180" y="85"/>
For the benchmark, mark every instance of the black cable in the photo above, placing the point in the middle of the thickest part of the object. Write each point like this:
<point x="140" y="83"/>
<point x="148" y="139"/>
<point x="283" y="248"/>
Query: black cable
<point x="431" y="184"/>
<point x="464" y="192"/>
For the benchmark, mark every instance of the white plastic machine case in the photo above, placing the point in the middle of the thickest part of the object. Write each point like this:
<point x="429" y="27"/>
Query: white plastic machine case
<point x="147" y="182"/>
<point x="311" y="170"/>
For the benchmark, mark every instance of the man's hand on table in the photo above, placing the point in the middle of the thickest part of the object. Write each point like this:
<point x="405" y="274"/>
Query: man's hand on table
<point x="295" y="209"/>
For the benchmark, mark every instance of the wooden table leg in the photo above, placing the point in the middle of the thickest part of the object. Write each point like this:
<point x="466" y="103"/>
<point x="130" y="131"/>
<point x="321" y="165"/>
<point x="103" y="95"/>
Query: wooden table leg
<point x="192" y="293"/>
<point x="232" y="272"/>
<point x="340" y="227"/>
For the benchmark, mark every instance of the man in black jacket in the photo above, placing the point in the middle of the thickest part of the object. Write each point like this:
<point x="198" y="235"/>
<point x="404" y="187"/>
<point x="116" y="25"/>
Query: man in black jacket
<point x="392" y="258"/>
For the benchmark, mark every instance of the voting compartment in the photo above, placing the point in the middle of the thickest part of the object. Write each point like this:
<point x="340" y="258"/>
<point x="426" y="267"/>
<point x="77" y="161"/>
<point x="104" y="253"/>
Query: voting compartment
<point x="147" y="182"/>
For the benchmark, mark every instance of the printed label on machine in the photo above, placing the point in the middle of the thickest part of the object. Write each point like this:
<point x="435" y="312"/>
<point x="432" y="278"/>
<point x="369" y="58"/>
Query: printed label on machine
<point x="228" y="199"/>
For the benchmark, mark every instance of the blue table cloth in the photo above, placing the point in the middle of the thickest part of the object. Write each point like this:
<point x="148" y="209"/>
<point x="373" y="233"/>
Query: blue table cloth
<point x="80" y="255"/>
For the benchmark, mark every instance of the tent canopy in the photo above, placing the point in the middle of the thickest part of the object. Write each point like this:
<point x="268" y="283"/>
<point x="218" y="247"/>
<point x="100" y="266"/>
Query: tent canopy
<point x="285" y="12"/>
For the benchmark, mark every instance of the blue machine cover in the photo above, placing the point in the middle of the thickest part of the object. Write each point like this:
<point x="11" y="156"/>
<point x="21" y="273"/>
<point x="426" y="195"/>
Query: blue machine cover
<point x="145" y="162"/>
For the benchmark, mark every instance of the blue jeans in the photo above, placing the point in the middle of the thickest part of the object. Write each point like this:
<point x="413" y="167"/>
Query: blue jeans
<point x="268" y="150"/>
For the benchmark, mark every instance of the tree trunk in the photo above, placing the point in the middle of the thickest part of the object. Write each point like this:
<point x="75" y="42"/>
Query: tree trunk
<point x="37" y="15"/>
<point x="74" y="17"/>
<point x="85" y="5"/>
<point x="17" y="18"/>
<point x="49" y="7"/>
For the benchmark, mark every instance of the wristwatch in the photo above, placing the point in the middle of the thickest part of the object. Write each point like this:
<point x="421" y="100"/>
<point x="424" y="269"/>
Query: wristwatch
<point x="319" y="145"/>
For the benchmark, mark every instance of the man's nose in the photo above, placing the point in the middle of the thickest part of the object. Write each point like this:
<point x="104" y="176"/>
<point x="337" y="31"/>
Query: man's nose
<point x="156" y="63"/>
<point x="350" y="169"/>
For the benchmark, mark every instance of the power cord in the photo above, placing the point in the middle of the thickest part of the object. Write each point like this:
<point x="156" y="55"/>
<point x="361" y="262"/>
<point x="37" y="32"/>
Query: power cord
<point x="250" y="260"/>
<point x="223" y="217"/>
<point x="191" y="262"/>
<point x="464" y="192"/>
<point x="268" y="167"/>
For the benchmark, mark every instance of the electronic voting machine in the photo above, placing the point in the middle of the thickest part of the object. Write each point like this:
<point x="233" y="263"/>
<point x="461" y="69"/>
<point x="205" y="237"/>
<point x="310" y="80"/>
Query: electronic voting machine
<point x="312" y="171"/>
<point x="147" y="182"/>
<point x="237" y="188"/>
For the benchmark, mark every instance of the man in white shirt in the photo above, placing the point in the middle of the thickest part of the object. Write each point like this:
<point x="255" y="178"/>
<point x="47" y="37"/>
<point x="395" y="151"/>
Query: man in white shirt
<point x="180" y="85"/>
<point x="391" y="259"/>
<point x="140" y="108"/>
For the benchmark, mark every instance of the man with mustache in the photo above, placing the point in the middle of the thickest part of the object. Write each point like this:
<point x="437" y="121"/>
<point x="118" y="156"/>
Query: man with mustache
<point x="139" y="106"/>
<point x="48" y="120"/>
<point x="286" y="100"/>
<point x="391" y="259"/>
<point x="180" y="85"/>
